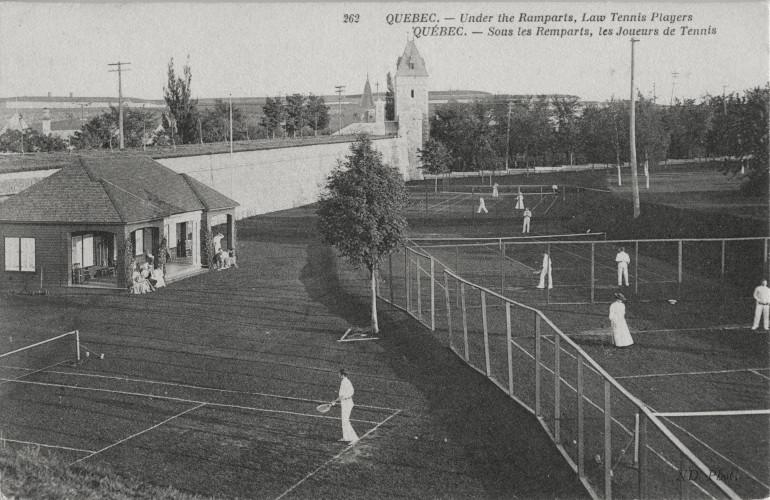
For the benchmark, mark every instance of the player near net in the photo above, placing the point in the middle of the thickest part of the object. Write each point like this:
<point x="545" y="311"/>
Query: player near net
<point x="762" y="309"/>
<point x="623" y="260"/>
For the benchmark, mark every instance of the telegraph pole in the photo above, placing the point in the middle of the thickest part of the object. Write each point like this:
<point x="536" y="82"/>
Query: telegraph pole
<point x="120" y="71"/>
<point x="724" y="102"/>
<point x="231" y="123"/>
<point x="632" y="137"/>
<point x="339" y="89"/>
<point x="508" y="135"/>
<point x="674" y="74"/>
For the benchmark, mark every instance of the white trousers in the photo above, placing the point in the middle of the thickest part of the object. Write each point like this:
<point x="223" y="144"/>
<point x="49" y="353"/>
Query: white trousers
<point x="545" y="271"/>
<point x="762" y="310"/>
<point x="622" y="273"/>
<point x="525" y="227"/>
<point x="483" y="207"/>
<point x="348" y="433"/>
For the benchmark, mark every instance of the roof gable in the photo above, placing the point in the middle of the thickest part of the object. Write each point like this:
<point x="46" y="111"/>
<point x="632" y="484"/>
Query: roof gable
<point x="211" y="198"/>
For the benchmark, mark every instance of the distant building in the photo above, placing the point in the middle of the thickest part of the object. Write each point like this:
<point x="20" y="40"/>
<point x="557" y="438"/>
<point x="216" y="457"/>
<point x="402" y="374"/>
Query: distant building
<point x="71" y="228"/>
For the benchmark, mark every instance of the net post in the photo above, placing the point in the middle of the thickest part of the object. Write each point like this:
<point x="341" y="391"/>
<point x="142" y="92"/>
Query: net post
<point x="537" y="365"/>
<point x="509" y="342"/>
<point x="580" y="419"/>
<point x="418" y="272"/>
<point x="77" y="345"/>
<point x="432" y="295"/>
<point x="465" y="319"/>
<point x="486" y="332"/>
<point x="642" y="461"/>
<point x="722" y="272"/>
<point x="448" y="308"/>
<point x="557" y="389"/>
<point x="607" y="439"/>
<point x="636" y="267"/>
<point x="593" y="272"/>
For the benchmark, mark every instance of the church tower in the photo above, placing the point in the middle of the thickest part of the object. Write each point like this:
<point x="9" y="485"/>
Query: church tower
<point x="411" y="106"/>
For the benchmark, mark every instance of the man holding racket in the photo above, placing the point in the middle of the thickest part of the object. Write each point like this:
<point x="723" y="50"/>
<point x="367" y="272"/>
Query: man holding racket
<point x="346" y="407"/>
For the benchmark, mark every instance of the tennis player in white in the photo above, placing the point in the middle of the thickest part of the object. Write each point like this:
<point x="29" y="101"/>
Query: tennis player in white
<point x="621" y="336"/>
<point x="482" y="206"/>
<point x="546" y="271"/>
<point x="762" y="309"/>
<point x="346" y="407"/>
<point x="623" y="260"/>
<point x="527" y="218"/>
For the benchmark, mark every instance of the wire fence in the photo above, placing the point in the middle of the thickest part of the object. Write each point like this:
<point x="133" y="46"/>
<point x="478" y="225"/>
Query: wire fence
<point x="617" y="445"/>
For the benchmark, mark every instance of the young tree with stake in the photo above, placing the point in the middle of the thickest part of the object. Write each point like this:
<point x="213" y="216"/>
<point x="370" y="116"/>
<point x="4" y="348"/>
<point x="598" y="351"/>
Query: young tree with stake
<point x="360" y="212"/>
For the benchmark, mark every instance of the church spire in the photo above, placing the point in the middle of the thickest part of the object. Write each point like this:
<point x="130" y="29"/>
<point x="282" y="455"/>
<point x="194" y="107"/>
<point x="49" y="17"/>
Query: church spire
<point x="366" y="98"/>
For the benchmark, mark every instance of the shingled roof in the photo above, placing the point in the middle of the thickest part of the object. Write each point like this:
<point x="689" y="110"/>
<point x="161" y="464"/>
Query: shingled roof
<point x="111" y="191"/>
<point x="411" y="62"/>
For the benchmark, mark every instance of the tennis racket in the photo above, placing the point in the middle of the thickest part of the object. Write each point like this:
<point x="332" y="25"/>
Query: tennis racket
<point x="324" y="408"/>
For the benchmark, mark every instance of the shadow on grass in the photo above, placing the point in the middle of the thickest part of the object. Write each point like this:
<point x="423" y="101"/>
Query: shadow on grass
<point x="503" y="446"/>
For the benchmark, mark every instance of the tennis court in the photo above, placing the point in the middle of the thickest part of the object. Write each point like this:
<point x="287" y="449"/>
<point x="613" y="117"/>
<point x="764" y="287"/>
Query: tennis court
<point x="86" y="410"/>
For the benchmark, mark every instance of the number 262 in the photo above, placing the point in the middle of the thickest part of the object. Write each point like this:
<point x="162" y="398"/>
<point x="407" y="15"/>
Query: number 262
<point x="350" y="18"/>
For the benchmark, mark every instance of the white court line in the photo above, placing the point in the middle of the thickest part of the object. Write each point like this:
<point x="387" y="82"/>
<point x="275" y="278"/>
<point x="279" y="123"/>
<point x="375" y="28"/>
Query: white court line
<point x="138" y="433"/>
<point x="704" y="328"/>
<point x="755" y="372"/>
<point x="183" y="400"/>
<point x="30" y="373"/>
<point x="45" y="445"/>
<point x="749" y="474"/>
<point x="705" y="372"/>
<point x="204" y="388"/>
<point x="712" y="413"/>
<point x="335" y="457"/>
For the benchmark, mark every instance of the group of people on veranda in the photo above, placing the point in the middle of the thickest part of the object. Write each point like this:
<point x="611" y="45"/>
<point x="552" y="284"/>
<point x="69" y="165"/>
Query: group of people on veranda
<point x="145" y="277"/>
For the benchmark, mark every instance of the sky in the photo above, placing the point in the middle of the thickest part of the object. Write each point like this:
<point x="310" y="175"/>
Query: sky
<point x="258" y="49"/>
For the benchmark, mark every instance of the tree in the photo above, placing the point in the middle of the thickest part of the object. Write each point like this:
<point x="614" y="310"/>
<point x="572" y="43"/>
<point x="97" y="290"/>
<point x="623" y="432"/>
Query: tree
<point x="295" y="114"/>
<point x="100" y="131"/>
<point x="566" y="134"/>
<point x="317" y="112"/>
<point x="434" y="159"/>
<point x="215" y="123"/>
<point x="652" y="138"/>
<point x="181" y="105"/>
<point x="30" y="140"/>
<point x="390" y="100"/>
<point x="273" y="115"/>
<point x="360" y="212"/>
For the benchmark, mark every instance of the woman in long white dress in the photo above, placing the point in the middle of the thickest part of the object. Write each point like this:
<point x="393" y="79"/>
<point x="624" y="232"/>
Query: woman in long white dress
<point x="621" y="336"/>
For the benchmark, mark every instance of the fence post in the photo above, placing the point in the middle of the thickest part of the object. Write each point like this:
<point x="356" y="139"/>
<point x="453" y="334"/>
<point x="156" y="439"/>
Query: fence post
<point x="390" y="281"/>
<point x="764" y="258"/>
<point x="679" y="272"/>
<point x="537" y="365"/>
<point x="509" y="342"/>
<point x="448" y="309"/>
<point x="684" y="480"/>
<point x="486" y="333"/>
<point x="557" y="388"/>
<point x="636" y="267"/>
<point x="580" y="419"/>
<point x="432" y="295"/>
<point x="607" y="440"/>
<point x="406" y="280"/>
<point x="593" y="272"/>
<point x="502" y="267"/>
<point x="642" y="462"/>
<point x="547" y="281"/>
<point x="722" y="275"/>
<point x="465" y="319"/>
<point x="418" y="271"/>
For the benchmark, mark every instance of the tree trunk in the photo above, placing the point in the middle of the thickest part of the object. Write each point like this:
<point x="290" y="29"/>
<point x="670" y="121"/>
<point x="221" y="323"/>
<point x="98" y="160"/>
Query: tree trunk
<point x="375" y="326"/>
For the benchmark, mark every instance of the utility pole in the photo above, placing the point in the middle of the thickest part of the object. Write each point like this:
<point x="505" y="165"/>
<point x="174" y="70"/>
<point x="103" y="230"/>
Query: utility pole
<point x="508" y="135"/>
<point x="200" y="131"/>
<point x="632" y="137"/>
<point x="674" y="74"/>
<point x="120" y="71"/>
<point x="339" y="89"/>
<point x="144" y="130"/>
<point x="231" y="123"/>
<point x="82" y="110"/>
<point x="724" y="102"/>
<point x="654" y="95"/>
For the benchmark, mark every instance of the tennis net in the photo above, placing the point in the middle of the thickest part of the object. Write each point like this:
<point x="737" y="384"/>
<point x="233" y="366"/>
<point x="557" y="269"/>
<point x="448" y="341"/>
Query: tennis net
<point x="40" y="356"/>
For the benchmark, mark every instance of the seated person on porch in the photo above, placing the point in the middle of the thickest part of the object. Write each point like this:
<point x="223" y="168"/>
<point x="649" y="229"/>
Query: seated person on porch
<point x="157" y="277"/>
<point x="139" y="283"/>
<point x="230" y="260"/>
